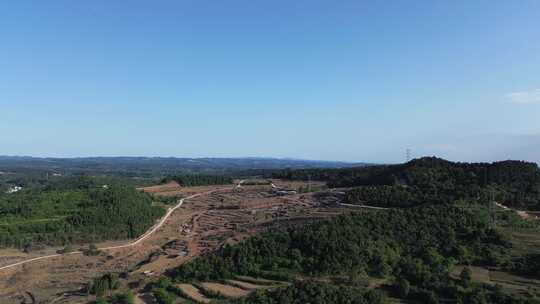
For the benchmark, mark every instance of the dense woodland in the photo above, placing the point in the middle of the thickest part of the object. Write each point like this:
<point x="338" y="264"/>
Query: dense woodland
<point x="73" y="210"/>
<point x="310" y="292"/>
<point x="433" y="180"/>
<point x="199" y="179"/>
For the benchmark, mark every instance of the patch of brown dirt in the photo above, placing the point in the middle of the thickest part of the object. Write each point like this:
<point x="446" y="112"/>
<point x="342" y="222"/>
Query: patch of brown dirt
<point x="170" y="186"/>
<point x="248" y="286"/>
<point x="192" y="292"/>
<point x="226" y="290"/>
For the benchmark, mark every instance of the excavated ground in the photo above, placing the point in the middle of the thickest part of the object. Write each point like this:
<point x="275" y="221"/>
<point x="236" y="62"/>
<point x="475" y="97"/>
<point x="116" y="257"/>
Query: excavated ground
<point x="201" y="225"/>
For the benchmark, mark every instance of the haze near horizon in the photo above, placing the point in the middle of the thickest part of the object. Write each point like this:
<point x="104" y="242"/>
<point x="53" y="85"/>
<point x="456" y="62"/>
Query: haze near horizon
<point x="350" y="81"/>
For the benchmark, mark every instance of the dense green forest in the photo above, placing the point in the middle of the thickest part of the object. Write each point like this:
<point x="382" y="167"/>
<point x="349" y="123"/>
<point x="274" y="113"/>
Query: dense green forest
<point x="72" y="210"/>
<point x="190" y="180"/>
<point x="311" y="292"/>
<point x="430" y="179"/>
<point x="414" y="249"/>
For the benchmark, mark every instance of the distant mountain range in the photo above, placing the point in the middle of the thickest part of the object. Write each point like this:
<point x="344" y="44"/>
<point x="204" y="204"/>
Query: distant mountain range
<point x="158" y="165"/>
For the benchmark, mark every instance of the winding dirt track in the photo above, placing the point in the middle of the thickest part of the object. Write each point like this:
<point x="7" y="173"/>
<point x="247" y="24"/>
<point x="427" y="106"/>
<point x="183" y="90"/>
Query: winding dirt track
<point x="148" y="233"/>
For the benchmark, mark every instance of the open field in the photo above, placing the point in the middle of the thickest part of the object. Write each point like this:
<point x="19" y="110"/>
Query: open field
<point x="247" y="285"/>
<point x="228" y="291"/>
<point x="193" y="293"/>
<point x="170" y="186"/>
<point x="201" y="225"/>
<point x="510" y="282"/>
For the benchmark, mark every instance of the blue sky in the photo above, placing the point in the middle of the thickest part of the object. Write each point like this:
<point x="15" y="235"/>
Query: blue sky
<point x="335" y="80"/>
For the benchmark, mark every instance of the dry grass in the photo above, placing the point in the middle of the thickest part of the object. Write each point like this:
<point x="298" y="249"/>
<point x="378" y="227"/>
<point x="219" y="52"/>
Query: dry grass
<point x="513" y="282"/>
<point x="226" y="290"/>
<point x="193" y="293"/>
<point x="259" y="281"/>
<point x="247" y="285"/>
<point x="201" y="222"/>
<point x="479" y="274"/>
<point x="170" y="186"/>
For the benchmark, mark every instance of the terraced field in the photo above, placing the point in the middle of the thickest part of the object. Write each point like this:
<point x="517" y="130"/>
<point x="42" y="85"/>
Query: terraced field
<point x="240" y="287"/>
<point x="202" y="225"/>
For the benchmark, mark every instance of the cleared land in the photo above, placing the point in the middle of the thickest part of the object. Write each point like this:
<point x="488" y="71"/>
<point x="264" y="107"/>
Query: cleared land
<point x="193" y="293"/>
<point x="202" y="224"/>
<point x="170" y="186"/>
<point x="228" y="291"/>
<point x="247" y="285"/>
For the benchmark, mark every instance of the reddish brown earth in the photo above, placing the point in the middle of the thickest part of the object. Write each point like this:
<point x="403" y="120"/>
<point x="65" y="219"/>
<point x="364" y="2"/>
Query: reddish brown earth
<point x="226" y="290"/>
<point x="170" y="186"/>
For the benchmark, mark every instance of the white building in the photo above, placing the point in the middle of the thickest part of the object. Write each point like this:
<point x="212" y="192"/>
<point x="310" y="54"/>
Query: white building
<point x="14" y="189"/>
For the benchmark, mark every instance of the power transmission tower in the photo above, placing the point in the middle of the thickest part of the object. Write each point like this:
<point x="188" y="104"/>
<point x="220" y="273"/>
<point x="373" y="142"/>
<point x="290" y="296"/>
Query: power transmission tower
<point x="408" y="155"/>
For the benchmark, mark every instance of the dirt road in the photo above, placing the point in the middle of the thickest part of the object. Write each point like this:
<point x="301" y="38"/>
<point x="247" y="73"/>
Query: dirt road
<point x="148" y="233"/>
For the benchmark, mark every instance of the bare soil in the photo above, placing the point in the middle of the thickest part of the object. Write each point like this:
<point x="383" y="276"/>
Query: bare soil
<point x="226" y="290"/>
<point x="201" y="225"/>
<point x="193" y="293"/>
<point x="170" y="186"/>
<point x="247" y="285"/>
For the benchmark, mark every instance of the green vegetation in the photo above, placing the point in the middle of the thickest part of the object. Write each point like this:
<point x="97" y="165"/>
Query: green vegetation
<point x="433" y="180"/>
<point x="385" y="196"/>
<point x="104" y="285"/>
<point x="118" y="298"/>
<point x="413" y="249"/>
<point x="166" y="200"/>
<point x="78" y="210"/>
<point x="377" y="243"/>
<point x="310" y="292"/>
<point x="103" y="288"/>
<point x="199" y="180"/>
<point x="528" y="265"/>
<point x="123" y="298"/>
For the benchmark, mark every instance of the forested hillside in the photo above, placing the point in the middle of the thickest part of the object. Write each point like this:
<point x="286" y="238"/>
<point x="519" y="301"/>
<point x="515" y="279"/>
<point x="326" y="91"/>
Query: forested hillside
<point x="74" y="210"/>
<point x="433" y="180"/>
<point x="311" y="292"/>
<point x="414" y="249"/>
<point x="374" y="243"/>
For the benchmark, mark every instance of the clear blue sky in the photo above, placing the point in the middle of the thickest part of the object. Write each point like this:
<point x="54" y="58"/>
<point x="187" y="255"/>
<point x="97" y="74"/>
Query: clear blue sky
<point x="336" y="80"/>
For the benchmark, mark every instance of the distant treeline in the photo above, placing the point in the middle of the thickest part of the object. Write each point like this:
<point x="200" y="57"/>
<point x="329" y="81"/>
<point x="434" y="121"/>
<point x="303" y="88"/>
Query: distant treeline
<point x="72" y="211"/>
<point x="150" y="167"/>
<point x="435" y="180"/>
<point x="190" y="180"/>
